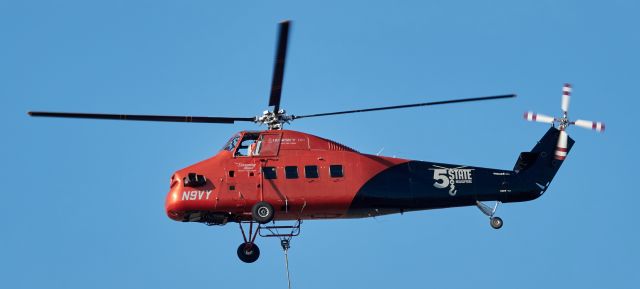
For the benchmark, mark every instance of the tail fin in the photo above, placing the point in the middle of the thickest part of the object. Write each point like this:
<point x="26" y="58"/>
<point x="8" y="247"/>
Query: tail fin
<point x="534" y="170"/>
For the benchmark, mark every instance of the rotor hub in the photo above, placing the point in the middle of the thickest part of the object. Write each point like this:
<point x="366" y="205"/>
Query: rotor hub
<point x="564" y="122"/>
<point x="274" y="120"/>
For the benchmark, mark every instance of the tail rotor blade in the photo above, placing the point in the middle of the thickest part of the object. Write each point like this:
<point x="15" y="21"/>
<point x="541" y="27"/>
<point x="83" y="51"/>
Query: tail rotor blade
<point x="561" y="147"/>
<point x="566" y="95"/>
<point x="530" y="116"/>
<point x="594" y="125"/>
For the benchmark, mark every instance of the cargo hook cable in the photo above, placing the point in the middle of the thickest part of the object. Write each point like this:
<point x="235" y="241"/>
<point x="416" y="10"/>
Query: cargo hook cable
<point x="285" y="237"/>
<point x="285" y="246"/>
<point x="285" y="242"/>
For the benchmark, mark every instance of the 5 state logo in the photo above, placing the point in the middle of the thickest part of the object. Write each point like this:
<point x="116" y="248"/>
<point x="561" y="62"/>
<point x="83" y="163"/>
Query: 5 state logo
<point x="449" y="177"/>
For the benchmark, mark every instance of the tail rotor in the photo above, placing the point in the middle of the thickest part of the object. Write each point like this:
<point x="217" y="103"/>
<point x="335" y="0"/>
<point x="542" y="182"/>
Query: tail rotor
<point x="564" y="122"/>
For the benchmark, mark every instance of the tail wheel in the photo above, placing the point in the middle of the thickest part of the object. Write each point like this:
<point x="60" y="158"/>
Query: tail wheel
<point x="496" y="222"/>
<point x="248" y="252"/>
<point x="262" y="212"/>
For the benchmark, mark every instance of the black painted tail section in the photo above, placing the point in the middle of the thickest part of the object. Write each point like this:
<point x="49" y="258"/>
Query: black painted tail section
<point x="418" y="185"/>
<point x="535" y="170"/>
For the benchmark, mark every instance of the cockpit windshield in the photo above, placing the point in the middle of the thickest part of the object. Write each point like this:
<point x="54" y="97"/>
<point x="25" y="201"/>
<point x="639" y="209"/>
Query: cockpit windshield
<point x="231" y="144"/>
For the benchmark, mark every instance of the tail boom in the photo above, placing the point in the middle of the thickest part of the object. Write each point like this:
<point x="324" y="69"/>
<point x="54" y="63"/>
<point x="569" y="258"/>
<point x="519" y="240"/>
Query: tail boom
<point x="419" y="185"/>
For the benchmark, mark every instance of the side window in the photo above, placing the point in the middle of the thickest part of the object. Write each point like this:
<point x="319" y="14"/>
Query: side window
<point x="269" y="173"/>
<point x="291" y="172"/>
<point x="336" y="171"/>
<point x="311" y="172"/>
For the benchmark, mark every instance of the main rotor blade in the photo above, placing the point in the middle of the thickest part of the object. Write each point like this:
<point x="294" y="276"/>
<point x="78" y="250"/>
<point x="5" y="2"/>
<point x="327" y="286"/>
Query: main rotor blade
<point x="278" y="66"/>
<point x="408" y="105"/>
<point x="167" y="118"/>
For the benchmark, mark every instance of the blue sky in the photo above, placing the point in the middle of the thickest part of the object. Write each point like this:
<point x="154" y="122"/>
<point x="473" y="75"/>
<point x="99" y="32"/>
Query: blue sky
<point x="82" y="200"/>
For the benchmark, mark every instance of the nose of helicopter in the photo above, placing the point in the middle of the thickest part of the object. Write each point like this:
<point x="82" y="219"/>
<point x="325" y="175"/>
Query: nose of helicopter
<point x="172" y="202"/>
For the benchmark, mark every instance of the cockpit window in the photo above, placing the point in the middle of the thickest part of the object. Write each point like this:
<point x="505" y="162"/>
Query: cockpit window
<point x="231" y="144"/>
<point x="249" y="146"/>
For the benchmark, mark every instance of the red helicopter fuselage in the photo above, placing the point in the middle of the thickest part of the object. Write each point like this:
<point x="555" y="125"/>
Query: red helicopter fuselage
<point x="308" y="177"/>
<point x="303" y="176"/>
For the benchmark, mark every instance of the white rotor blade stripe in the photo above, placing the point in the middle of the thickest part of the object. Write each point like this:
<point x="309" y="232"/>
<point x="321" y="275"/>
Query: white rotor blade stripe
<point x="594" y="125"/>
<point x="566" y="94"/>
<point x="561" y="147"/>
<point x="530" y="116"/>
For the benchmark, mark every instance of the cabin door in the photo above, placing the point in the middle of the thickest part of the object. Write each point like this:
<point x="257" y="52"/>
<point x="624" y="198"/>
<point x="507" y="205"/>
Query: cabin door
<point x="242" y="173"/>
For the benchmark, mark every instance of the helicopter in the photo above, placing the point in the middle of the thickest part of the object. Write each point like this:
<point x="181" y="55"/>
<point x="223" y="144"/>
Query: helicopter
<point x="266" y="176"/>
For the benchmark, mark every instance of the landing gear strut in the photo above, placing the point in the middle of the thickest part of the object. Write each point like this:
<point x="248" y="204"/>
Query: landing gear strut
<point x="248" y="251"/>
<point x="495" y="222"/>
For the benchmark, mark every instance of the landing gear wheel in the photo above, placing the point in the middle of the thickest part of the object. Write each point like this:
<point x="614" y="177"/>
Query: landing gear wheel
<point x="496" y="222"/>
<point x="248" y="252"/>
<point x="262" y="212"/>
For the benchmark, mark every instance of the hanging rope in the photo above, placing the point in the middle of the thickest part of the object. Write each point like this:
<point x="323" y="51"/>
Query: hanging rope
<point x="285" y="247"/>
<point x="285" y="241"/>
